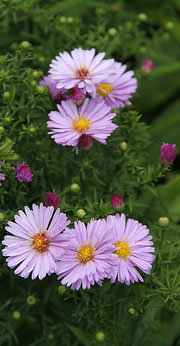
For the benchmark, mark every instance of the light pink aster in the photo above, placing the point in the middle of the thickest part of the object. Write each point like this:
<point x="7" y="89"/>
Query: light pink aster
<point x="118" y="88"/>
<point x="133" y="248"/>
<point x="88" y="257"/>
<point x="93" y="118"/>
<point x="57" y="94"/>
<point x="35" y="244"/>
<point x="82" y="69"/>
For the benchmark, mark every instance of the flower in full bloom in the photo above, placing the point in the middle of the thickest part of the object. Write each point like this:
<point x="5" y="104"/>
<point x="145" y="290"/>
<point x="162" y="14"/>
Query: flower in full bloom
<point x="52" y="198"/>
<point x="82" y="69"/>
<point x="23" y="172"/>
<point x="147" y="66"/>
<point x="93" y="118"/>
<point x="118" y="88"/>
<point x="35" y="244"/>
<point x="133" y="248"/>
<point x="88" y="257"/>
<point x="168" y="152"/>
<point x="2" y="177"/>
<point x="77" y="95"/>
<point x="116" y="201"/>
<point x="85" y="141"/>
<point x="57" y="94"/>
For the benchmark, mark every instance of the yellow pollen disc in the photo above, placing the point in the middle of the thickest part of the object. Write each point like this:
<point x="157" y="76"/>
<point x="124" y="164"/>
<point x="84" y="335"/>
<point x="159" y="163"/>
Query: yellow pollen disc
<point x="81" y="125"/>
<point x="40" y="242"/>
<point x="124" y="250"/>
<point x="107" y="88"/>
<point x="85" y="254"/>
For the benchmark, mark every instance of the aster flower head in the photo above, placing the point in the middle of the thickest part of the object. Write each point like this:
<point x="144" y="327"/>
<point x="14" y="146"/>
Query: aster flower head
<point x="133" y="248"/>
<point x="168" y="152"/>
<point x="117" y="201"/>
<point x="118" y="88"/>
<point x="23" y="172"/>
<point x="2" y="177"/>
<point x="88" y="257"/>
<point x="69" y="123"/>
<point x="52" y="199"/>
<point x="35" y="242"/>
<point x="81" y="69"/>
<point x="147" y="66"/>
<point x="57" y="94"/>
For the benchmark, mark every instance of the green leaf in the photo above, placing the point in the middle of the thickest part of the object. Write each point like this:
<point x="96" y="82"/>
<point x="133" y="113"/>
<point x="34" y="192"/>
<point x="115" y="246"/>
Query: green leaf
<point x="80" y="334"/>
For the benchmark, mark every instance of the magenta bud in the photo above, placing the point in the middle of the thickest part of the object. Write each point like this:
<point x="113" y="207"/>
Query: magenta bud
<point x="168" y="152"/>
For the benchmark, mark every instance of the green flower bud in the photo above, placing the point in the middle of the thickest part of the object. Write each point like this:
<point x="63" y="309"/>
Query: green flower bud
<point x="142" y="17"/>
<point x="41" y="59"/>
<point x="100" y="336"/>
<point x="15" y="157"/>
<point x="142" y="50"/>
<point x="16" y="315"/>
<point x="100" y="11"/>
<point x="169" y="26"/>
<point x="131" y="311"/>
<point x="31" y="300"/>
<point x="70" y="20"/>
<point x="33" y="82"/>
<point x="123" y="146"/>
<point x="42" y="89"/>
<point x="25" y="45"/>
<point x="81" y="213"/>
<point x="6" y="95"/>
<point x="2" y="217"/>
<point x="163" y="221"/>
<point x="51" y="336"/>
<point x="75" y="188"/>
<point x="112" y="32"/>
<point x="7" y="119"/>
<point x="35" y="74"/>
<point x="1" y="130"/>
<point x="62" y="20"/>
<point x="32" y="129"/>
<point x="14" y="46"/>
<point x="62" y="289"/>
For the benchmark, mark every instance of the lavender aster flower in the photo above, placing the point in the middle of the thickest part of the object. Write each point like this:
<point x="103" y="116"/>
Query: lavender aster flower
<point x="92" y="118"/>
<point x="118" y="88"/>
<point x="133" y="248"/>
<point x="168" y="152"/>
<point x="23" y="172"/>
<point x="35" y="243"/>
<point x="2" y="177"/>
<point x="82" y="69"/>
<point x="57" y="94"/>
<point x="88" y="257"/>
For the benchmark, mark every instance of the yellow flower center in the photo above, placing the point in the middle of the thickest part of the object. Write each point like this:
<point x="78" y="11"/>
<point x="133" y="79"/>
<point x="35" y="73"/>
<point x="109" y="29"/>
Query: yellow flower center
<point x="85" y="254"/>
<point x="40" y="242"/>
<point x="105" y="89"/>
<point x="124" y="250"/>
<point x="81" y="124"/>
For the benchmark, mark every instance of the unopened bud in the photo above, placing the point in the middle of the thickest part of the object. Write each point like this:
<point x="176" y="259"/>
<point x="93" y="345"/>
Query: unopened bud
<point x="169" y="25"/>
<point x="81" y="213"/>
<point x="16" y="315"/>
<point x="75" y="188"/>
<point x="100" y="336"/>
<point x="1" y="130"/>
<point x="70" y="20"/>
<point x="42" y="89"/>
<point x="112" y="32"/>
<point x="31" y="300"/>
<point x="163" y="221"/>
<point x="25" y="44"/>
<point x="2" y="217"/>
<point x="142" y="17"/>
<point x="62" y="289"/>
<point x="123" y="146"/>
<point x="6" y="95"/>
<point x="131" y="311"/>
<point x="62" y="20"/>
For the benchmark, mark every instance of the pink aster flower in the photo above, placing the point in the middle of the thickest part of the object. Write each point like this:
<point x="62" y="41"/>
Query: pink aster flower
<point x="116" y="201"/>
<point x="57" y="94"/>
<point x="2" y="177"/>
<point x="93" y="118"/>
<point x="118" y="88"/>
<point x="52" y="199"/>
<point x="77" y="95"/>
<point x="168" y="152"/>
<point x="88" y="257"/>
<point x="133" y="248"/>
<point x="35" y="244"/>
<point x="147" y="66"/>
<point x="82" y="69"/>
<point x="23" y="172"/>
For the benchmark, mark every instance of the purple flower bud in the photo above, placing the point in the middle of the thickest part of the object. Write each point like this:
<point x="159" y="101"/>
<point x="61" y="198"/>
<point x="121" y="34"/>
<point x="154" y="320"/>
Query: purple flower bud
<point x="85" y="141"/>
<point x="77" y="95"/>
<point x="168" y="152"/>
<point x="23" y="172"/>
<point x="51" y="199"/>
<point x="2" y="176"/>
<point x="147" y="66"/>
<point x="117" y="201"/>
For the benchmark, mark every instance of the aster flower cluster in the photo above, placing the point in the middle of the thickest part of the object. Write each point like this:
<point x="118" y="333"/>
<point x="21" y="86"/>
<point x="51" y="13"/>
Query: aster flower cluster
<point x="41" y="244"/>
<point x="86" y="87"/>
